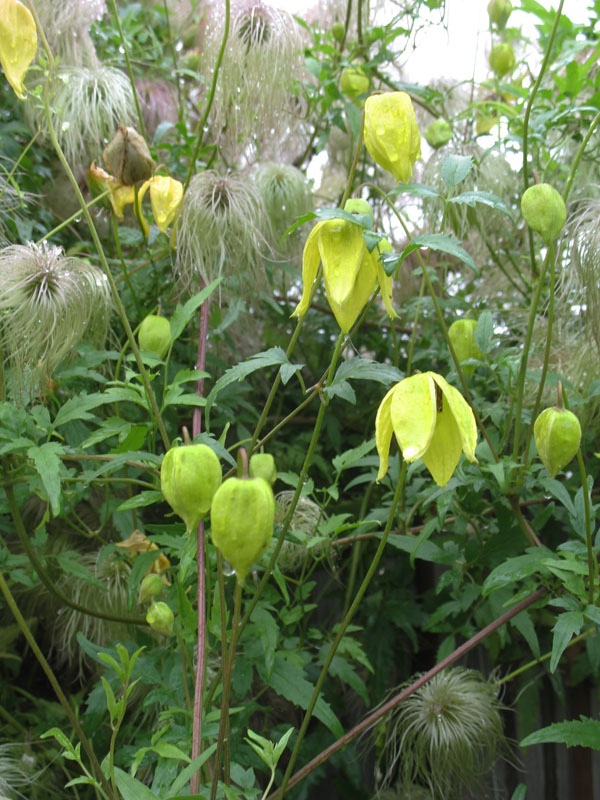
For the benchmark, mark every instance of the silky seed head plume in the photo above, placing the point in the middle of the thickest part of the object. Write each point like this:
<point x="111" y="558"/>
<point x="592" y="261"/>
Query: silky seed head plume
<point x="48" y="303"/>
<point x="445" y="735"/>
<point x="15" y="773"/>
<point x="222" y="229"/>
<point x="286" y="195"/>
<point x="87" y="105"/>
<point x="66" y="25"/>
<point x="307" y="515"/>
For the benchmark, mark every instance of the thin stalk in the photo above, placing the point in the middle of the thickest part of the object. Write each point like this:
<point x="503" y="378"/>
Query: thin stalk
<point x="515" y="673"/>
<point x="15" y="166"/>
<point x="73" y="217"/>
<point x="342" y="629"/>
<point x="43" y="576"/>
<point x="210" y="98"/>
<point x="113" y="742"/>
<point x="578" y="155"/>
<point x="356" y="551"/>
<point x="129" y="69"/>
<point x="25" y="630"/>
<point x="413" y="335"/>
<point x="227" y="673"/>
<point x="376" y="715"/>
<point x="117" y="238"/>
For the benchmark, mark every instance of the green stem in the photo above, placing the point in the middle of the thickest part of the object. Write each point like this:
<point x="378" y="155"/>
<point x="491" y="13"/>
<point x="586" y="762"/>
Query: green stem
<point x="227" y="673"/>
<point x="578" y="155"/>
<point x="15" y="166"/>
<point x="129" y="69"/>
<point x="413" y="335"/>
<point x="117" y="238"/>
<point x="25" y="630"/>
<point x="73" y="217"/>
<point x="43" y="576"/>
<point x="210" y="98"/>
<point x="341" y="631"/>
<point x="515" y="673"/>
<point x="113" y="742"/>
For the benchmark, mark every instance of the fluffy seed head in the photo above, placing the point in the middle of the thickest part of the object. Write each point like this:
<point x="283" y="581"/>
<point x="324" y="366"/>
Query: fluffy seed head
<point x="48" y="303"/>
<point x="286" y="196"/>
<point x="66" y="24"/>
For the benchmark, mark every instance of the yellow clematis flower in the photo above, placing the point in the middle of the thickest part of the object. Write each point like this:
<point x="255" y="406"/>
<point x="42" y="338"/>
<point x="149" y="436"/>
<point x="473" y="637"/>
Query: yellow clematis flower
<point x="18" y="43"/>
<point x="165" y="197"/>
<point x="391" y="133"/>
<point x="431" y="420"/>
<point x="350" y="271"/>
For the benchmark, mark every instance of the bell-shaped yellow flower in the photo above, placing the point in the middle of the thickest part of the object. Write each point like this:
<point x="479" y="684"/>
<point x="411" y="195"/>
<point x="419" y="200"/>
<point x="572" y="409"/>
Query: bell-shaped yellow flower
<point x="18" y="43"/>
<point x="391" y="133"/>
<point x="350" y="271"/>
<point x="431" y="420"/>
<point x="165" y="197"/>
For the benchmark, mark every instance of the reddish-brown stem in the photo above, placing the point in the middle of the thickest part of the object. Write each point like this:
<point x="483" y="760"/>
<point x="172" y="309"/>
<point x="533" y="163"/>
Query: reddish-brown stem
<point x="397" y="699"/>
<point x="201" y="657"/>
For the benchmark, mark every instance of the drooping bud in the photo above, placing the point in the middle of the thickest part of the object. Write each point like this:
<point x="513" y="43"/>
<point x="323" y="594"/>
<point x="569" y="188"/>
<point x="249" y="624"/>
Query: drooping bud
<point x="128" y="158"/>
<point x="18" y="43"/>
<point x="544" y="210"/>
<point x="499" y="11"/>
<point x="151" y="586"/>
<point x="462" y="336"/>
<point x="338" y="29"/>
<point x="354" y="205"/>
<point x="262" y="465"/>
<point x="502" y="59"/>
<point x="391" y="133"/>
<point x="160" y="618"/>
<point x="557" y="435"/>
<point x="155" y="335"/>
<point x="241" y="517"/>
<point x="354" y="81"/>
<point x="189" y="477"/>
<point x="438" y="133"/>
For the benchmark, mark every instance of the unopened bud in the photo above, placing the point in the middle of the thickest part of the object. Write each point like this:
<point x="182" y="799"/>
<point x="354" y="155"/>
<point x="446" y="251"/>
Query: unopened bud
<point x="128" y="158"/>
<point x="160" y="618"/>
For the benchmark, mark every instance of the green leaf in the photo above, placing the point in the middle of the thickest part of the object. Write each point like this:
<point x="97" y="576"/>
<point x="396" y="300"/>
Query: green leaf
<point x="365" y="370"/>
<point x="48" y="465"/>
<point x="567" y="625"/>
<point x="559" y="492"/>
<point x="76" y="408"/>
<point x="288" y="680"/>
<point x="269" y="634"/>
<point x="584" y="732"/>
<point x="520" y="793"/>
<point x="70" y="562"/>
<point x="191" y="768"/>
<point x="522" y="622"/>
<point x="363" y="220"/>
<point x="438" y="241"/>
<point x="415" y="189"/>
<point x="485" y="198"/>
<point x="275" y="356"/>
<point x="183" y="314"/>
<point x="131" y="788"/>
<point x="429" y="527"/>
<point x="455" y="169"/>
<point x="350" y="457"/>
<point x="141" y="500"/>
<point x="484" y="332"/>
<point x="515" y="569"/>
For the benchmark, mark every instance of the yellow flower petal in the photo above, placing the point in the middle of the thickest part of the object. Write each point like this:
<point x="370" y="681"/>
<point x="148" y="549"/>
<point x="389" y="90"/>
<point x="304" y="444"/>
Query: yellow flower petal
<point x="384" y="280"/>
<point x="342" y="247"/>
<point x="310" y="266"/>
<point x="347" y="313"/>
<point x="383" y="432"/>
<point x="165" y="195"/>
<point x="391" y="133"/>
<point x="18" y="43"/>
<point x="140" y="214"/>
<point x="121" y="196"/>
<point x="443" y="453"/>
<point x="413" y="414"/>
<point x="463" y="416"/>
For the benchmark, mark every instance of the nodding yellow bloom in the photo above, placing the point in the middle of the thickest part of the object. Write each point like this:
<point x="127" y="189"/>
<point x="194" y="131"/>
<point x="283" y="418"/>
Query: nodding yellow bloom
<point x="350" y="271"/>
<point x="431" y="420"/>
<point x="18" y="43"/>
<point x="165" y="197"/>
<point x="391" y="133"/>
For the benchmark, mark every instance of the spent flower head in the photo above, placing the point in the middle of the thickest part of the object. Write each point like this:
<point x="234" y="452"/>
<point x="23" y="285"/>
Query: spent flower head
<point x="66" y="25"/>
<point x="431" y="420"/>
<point x="286" y="195"/>
<point x="48" y="303"/>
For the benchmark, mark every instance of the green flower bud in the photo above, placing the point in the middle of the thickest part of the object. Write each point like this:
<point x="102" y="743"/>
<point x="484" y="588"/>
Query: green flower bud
<point x="189" y="477"/>
<point x="462" y="336"/>
<point x="160" y="618"/>
<point x="241" y="516"/>
<point x="354" y="81"/>
<point x="438" y="133"/>
<point x="502" y="59"/>
<point x="544" y="210"/>
<point x="155" y="335"/>
<point x="338" y="29"/>
<point x="151" y="586"/>
<point x="262" y="465"/>
<point x="499" y="11"/>
<point x="557" y="435"/>
<point x="128" y="158"/>
<point x="357" y="206"/>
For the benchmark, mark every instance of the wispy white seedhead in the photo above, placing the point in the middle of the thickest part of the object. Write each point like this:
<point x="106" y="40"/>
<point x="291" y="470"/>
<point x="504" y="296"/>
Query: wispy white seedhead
<point x="580" y="281"/>
<point x="261" y="66"/>
<point x="86" y="107"/>
<point x="223" y="229"/>
<point x="445" y="735"/>
<point x="286" y="195"/>
<point x="16" y="771"/>
<point x="305" y="519"/>
<point x="48" y="303"/>
<point x="66" y="25"/>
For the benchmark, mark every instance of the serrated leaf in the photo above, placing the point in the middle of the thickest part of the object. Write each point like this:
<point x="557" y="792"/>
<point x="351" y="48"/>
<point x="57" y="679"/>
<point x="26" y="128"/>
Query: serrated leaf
<point x="141" y="500"/>
<point x="567" y="625"/>
<point x="584" y="732"/>
<point x="415" y="189"/>
<point x="76" y="408"/>
<point x="557" y="490"/>
<point x="441" y="242"/>
<point x="191" y="768"/>
<point x="522" y="622"/>
<point x="48" y="465"/>
<point x="455" y="169"/>
<point x="183" y="314"/>
<point x="131" y="788"/>
<point x="69" y="561"/>
<point x="349" y="457"/>
<point x="288" y="680"/>
<point x="366" y="370"/>
<point x="269" y="634"/>
<point x="515" y="569"/>
<point x="485" y="198"/>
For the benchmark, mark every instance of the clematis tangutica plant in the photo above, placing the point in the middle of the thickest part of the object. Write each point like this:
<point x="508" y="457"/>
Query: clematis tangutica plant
<point x="431" y="420"/>
<point x="350" y="271"/>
